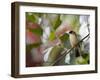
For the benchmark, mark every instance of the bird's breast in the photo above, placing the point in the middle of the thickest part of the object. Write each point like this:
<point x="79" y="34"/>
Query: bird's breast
<point x="73" y="40"/>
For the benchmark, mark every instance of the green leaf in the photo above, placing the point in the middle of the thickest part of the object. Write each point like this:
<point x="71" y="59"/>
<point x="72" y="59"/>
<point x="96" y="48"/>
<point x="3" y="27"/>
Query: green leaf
<point x="30" y="46"/>
<point x="38" y="14"/>
<point x="65" y="40"/>
<point x="56" y="23"/>
<point x="52" y="36"/>
<point x="54" y="20"/>
<point x="54" y="54"/>
<point x="86" y="56"/>
<point x="37" y="31"/>
<point x="31" y="17"/>
<point x="80" y="60"/>
<point x="64" y="37"/>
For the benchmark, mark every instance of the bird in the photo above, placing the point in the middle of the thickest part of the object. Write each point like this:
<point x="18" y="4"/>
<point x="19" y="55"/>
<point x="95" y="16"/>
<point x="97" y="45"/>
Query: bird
<point x="73" y="38"/>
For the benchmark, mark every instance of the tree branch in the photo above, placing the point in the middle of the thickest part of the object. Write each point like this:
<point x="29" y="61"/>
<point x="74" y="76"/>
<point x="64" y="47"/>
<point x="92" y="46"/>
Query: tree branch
<point x="66" y="51"/>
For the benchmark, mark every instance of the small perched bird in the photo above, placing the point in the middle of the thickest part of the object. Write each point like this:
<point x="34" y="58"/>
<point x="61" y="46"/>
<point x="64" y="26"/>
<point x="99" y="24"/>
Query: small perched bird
<point x="74" y="42"/>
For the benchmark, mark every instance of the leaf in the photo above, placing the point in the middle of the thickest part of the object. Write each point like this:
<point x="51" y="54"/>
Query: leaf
<point x="30" y="46"/>
<point x="38" y="14"/>
<point x="64" y="37"/>
<point x="54" y="54"/>
<point x="54" y="20"/>
<point x="52" y="36"/>
<point x="80" y="60"/>
<point x="56" y="23"/>
<point x="86" y="56"/>
<point x="31" y="17"/>
<point x="65" y="40"/>
<point x="37" y="31"/>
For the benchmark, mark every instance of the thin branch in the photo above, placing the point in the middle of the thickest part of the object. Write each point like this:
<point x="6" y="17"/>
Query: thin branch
<point x="88" y="29"/>
<point x="64" y="53"/>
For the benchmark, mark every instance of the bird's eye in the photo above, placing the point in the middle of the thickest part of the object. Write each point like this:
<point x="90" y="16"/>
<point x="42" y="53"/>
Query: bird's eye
<point x="71" y="32"/>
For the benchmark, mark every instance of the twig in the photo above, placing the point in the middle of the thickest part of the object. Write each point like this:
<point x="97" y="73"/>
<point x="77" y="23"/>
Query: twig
<point x="64" y="53"/>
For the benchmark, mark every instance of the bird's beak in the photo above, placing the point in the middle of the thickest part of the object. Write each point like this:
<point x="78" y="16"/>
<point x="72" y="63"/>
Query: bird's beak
<point x="67" y="32"/>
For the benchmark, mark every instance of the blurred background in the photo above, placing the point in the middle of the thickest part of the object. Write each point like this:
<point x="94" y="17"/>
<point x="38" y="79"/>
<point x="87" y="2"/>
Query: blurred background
<point x="46" y="39"/>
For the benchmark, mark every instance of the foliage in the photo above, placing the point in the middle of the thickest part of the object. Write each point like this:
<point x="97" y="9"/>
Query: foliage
<point x="58" y="42"/>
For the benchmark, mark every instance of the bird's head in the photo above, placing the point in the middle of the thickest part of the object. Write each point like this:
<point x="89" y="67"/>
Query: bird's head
<point x="70" y="32"/>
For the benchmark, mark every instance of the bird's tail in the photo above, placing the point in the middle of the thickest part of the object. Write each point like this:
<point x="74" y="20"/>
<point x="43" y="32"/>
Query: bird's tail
<point x="77" y="52"/>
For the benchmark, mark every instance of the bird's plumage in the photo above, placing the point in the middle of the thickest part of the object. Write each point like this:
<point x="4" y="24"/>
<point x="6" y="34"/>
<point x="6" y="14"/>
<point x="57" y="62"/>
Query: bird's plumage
<point x="73" y="38"/>
<point x="74" y="43"/>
